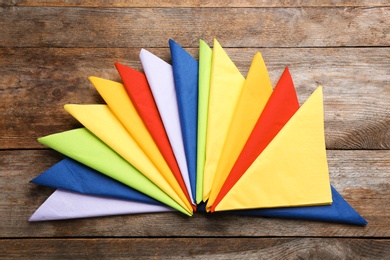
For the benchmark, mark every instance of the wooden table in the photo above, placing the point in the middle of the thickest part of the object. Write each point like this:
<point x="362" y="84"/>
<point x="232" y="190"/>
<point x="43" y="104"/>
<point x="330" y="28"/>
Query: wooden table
<point x="49" y="48"/>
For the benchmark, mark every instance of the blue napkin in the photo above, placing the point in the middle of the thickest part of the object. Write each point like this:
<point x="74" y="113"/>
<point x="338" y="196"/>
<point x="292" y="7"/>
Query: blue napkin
<point x="74" y="176"/>
<point x="339" y="211"/>
<point x="185" y="72"/>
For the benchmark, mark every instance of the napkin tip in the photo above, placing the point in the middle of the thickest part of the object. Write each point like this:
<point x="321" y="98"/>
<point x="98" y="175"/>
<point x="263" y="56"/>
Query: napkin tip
<point x="143" y="52"/>
<point x="258" y="55"/>
<point x="91" y="78"/>
<point x="67" y="107"/>
<point x="118" y="65"/>
<point x="41" y="140"/>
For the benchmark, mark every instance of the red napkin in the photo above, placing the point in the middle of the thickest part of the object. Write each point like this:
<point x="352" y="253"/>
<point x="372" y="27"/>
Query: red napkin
<point x="281" y="106"/>
<point x="140" y="94"/>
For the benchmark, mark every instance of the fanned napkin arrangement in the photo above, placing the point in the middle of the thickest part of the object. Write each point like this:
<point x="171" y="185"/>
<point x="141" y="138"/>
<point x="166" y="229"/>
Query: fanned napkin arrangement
<point x="194" y="135"/>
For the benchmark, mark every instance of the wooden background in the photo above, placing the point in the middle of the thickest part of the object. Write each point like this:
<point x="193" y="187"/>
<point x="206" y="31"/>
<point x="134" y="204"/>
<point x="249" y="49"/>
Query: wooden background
<point x="49" y="48"/>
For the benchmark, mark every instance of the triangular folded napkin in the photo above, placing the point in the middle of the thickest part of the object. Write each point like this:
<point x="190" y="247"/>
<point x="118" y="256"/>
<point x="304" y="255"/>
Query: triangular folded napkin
<point x="225" y="88"/>
<point x="340" y="212"/>
<point x="69" y="205"/>
<point x="194" y="135"/>
<point x="161" y="81"/>
<point x="254" y="96"/>
<point x="283" y="175"/>
<point x="185" y="73"/>
<point x="100" y="120"/>
<point x="204" y="73"/>
<point x="141" y="96"/>
<point x="82" y="146"/>
<point x="71" y="175"/>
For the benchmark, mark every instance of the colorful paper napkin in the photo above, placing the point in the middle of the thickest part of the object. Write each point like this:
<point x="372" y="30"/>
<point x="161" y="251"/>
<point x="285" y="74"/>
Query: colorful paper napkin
<point x="254" y="96"/>
<point x="185" y="74"/>
<point x="339" y="211"/>
<point x="280" y="107"/>
<point x="300" y="178"/>
<point x="115" y="95"/>
<point x="140" y="94"/>
<point x="69" y="205"/>
<point x="161" y="82"/>
<point x="225" y="88"/>
<point x="102" y="122"/>
<point x="205" y="57"/>
<point x="73" y="176"/>
<point x="194" y="136"/>
<point x="82" y="146"/>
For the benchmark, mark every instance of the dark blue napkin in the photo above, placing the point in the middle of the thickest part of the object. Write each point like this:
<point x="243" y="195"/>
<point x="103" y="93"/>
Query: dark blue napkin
<point x="185" y="73"/>
<point x="74" y="176"/>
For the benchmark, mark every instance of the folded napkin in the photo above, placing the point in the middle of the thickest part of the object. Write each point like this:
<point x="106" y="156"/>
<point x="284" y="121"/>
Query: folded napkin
<point x="82" y="146"/>
<point x="69" y="205"/>
<point x="185" y="74"/>
<point x="73" y="176"/>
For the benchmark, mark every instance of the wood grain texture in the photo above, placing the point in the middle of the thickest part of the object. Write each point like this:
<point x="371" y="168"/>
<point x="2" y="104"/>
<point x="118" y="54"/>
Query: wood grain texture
<point x="196" y="3"/>
<point x="234" y="27"/>
<point x="196" y="248"/>
<point x="37" y="82"/>
<point x="361" y="177"/>
<point x="49" y="48"/>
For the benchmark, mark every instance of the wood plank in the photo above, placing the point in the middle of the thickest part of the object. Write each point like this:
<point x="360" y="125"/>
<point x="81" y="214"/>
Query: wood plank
<point x="37" y="82"/>
<point x="196" y="248"/>
<point x="342" y="45"/>
<point x="361" y="177"/>
<point x="150" y="27"/>
<point x="196" y="3"/>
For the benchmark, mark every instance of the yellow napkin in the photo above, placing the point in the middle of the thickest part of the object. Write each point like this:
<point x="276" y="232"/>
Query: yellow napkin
<point x="115" y="95"/>
<point x="225" y="88"/>
<point x="205" y="58"/>
<point x="254" y="96"/>
<point x="102" y="122"/>
<point x="84" y="147"/>
<point x="292" y="170"/>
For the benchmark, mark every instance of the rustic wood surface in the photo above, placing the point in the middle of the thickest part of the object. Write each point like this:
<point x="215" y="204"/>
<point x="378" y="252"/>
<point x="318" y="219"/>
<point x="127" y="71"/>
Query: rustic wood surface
<point x="357" y="113"/>
<point x="49" y="48"/>
<point x="360" y="176"/>
<point x="150" y="27"/>
<point x="198" y="248"/>
<point x="198" y="3"/>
